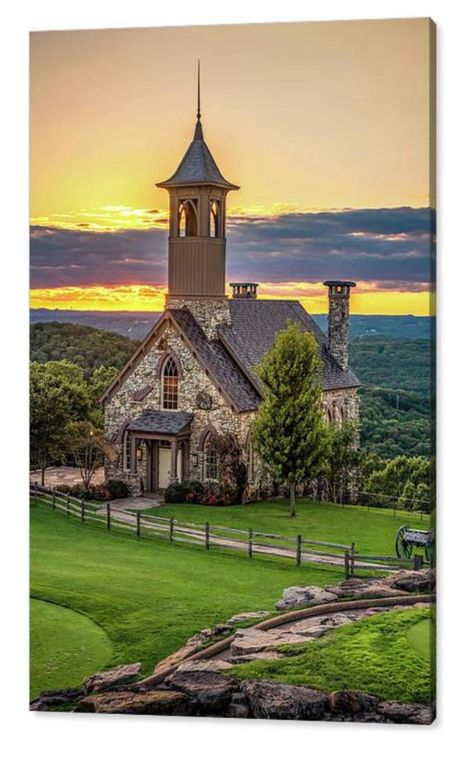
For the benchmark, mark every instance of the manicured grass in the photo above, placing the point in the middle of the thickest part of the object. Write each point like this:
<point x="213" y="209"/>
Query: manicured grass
<point x="421" y="638"/>
<point x="372" y="655"/>
<point x="149" y="596"/>
<point x="65" y="647"/>
<point x="373" y="531"/>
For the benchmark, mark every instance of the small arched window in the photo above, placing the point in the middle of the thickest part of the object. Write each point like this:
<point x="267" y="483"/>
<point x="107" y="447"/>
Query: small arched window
<point x="187" y="219"/>
<point x="169" y="384"/>
<point x="211" y="458"/>
<point x="214" y="219"/>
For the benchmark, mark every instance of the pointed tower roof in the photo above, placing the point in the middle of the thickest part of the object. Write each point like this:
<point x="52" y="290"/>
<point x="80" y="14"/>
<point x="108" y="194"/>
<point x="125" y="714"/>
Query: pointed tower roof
<point x="197" y="166"/>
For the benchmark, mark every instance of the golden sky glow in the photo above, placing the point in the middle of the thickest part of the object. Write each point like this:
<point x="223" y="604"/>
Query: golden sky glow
<point x="151" y="299"/>
<point x="304" y="117"/>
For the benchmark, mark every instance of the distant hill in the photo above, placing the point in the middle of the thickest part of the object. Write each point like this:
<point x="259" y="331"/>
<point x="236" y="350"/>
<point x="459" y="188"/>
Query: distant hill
<point x="83" y="345"/>
<point x="137" y="325"/>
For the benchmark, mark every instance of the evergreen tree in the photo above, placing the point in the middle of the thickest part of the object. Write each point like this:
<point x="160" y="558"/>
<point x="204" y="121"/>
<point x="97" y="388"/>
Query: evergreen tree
<point x="289" y="432"/>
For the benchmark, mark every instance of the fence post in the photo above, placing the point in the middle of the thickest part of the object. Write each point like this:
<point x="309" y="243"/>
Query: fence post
<point x="108" y="516"/>
<point x="171" y="528"/>
<point x="298" y="549"/>
<point x="250" y="542"/>
<point x="54" y="500"/>
<point x="67" y="505"/>
<point x="138" y="524"/>
<point x="346" y="565"/>
<point x="207" y="535"/>
<point x="36" y="494"/>
<point x="83" y="514"/>
<point x="352" y="557"/>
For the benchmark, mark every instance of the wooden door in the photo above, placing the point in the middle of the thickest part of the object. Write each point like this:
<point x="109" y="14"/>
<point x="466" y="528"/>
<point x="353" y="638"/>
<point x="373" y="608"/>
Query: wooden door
<point x="164" y="467"/>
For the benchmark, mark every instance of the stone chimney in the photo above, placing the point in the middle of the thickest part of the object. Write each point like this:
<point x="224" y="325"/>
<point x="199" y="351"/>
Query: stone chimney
<point x="244" y="291"/>
<point x="338" y="320"/>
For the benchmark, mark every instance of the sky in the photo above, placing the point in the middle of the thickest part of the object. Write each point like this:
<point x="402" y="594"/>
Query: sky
<point x="324" y="126"/>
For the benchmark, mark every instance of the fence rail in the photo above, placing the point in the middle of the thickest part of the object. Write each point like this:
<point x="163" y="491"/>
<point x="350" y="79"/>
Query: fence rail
<point x="297" y="549"/>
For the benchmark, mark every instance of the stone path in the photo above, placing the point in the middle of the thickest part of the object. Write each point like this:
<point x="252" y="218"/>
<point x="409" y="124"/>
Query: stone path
<point x="64" y="474"/>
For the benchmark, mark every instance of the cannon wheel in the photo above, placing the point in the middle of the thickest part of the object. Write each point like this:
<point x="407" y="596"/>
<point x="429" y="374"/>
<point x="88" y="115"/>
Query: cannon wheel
<point x="402" y="549"/>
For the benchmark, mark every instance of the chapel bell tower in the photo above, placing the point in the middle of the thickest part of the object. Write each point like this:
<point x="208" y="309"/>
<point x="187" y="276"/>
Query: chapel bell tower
<point x="197" y="242"/>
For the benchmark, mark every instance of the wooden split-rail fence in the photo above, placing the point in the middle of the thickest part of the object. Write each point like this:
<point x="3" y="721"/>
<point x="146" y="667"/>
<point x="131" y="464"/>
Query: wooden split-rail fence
<point x="299" y="549"/>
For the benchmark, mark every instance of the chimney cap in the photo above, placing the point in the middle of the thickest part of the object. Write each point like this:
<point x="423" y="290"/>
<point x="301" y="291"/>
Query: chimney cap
<point x="339" y="283"/>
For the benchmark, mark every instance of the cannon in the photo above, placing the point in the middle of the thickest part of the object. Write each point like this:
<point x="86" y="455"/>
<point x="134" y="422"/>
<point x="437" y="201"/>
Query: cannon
<point x="407" y="538"/>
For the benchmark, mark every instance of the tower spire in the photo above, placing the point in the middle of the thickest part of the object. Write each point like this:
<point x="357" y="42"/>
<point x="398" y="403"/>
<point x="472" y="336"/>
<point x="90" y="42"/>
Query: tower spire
<point x="199" y="91"/>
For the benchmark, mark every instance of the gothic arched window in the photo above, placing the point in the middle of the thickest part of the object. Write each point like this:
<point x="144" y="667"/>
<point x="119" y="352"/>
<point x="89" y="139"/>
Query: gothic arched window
<point x="187" y="219"/>
<point x="211" y="457"/>
<point x="169" y="384"/>
<point x="214" y="219"/>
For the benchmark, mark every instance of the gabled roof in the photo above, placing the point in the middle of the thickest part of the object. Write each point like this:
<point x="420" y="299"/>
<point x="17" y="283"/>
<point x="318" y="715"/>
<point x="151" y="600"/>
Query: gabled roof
<point x="198" y="166"/>
<point x="255" y="324"/>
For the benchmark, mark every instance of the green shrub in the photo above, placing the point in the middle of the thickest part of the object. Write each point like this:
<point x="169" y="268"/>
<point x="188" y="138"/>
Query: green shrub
<point x="117" y="489"/>
<point x="184" y="491"/>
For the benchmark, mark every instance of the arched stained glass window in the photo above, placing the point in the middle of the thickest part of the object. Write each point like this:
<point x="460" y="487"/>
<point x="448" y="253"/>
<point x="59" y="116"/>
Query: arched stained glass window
<point x="170" y="384"/>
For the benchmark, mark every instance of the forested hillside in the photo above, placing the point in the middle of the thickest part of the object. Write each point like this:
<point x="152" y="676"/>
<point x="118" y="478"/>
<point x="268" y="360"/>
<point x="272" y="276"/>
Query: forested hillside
<point x="82" y="345"/>
<point x="396" y="396"/>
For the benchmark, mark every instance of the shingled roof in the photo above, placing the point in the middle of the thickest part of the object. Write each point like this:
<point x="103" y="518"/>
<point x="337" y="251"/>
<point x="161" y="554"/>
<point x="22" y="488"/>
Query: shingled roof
<point x="160" y="422"/>
<point x="198" y="166"/>
<point x="255" y="324"/>
<point x="220" y="364"/>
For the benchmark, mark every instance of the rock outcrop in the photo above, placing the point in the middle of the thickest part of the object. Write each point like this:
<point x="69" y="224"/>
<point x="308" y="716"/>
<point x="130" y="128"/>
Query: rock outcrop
<point x="283" y="702"/>
<point x="111" y="678"/>
<point x="137" y="703"/>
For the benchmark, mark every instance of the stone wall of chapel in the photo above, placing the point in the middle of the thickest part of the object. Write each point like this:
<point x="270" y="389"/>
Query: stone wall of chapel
<point x="341" y="405"/>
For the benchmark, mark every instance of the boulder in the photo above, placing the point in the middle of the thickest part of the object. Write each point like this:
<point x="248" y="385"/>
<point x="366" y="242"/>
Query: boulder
<point x="211" y="692"/>
<point x="413" y="580"/>
<point x="296" y="596"/>
<point x="284" y="702"/>
<point x="253" y="640"/>
<point x="50" y="699"/>
<point x="137" y="703"/>
<point x="406" y="712"/>
<point x="108" y="679"/>
<point x="346" y="701"/>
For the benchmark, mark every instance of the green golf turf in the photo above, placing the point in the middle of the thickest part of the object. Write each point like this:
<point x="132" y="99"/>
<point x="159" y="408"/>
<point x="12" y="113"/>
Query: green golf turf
<point x="65" y="647"/>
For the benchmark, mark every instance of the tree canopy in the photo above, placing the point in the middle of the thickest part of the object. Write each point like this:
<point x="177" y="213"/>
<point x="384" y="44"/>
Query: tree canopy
<point x="289" y="431"/>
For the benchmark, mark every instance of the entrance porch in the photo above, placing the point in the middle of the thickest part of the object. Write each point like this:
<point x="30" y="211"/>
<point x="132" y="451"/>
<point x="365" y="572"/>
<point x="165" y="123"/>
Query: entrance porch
<point x="157" y="444"/>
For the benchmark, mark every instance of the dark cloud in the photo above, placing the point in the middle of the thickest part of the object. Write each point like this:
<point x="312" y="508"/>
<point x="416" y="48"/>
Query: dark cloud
<point x="392" y="246"/>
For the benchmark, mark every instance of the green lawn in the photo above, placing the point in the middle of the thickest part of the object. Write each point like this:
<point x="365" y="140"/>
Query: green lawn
<point x="373" y="531"/>
<point x="66" y="647"/>
<point x="421" y="638"/>
<point x="374" y="655"/>
<point x="148" y="596"/>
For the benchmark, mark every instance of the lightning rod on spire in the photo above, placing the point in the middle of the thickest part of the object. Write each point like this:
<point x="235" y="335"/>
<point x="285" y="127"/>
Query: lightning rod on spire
<point x="199" y="91"/>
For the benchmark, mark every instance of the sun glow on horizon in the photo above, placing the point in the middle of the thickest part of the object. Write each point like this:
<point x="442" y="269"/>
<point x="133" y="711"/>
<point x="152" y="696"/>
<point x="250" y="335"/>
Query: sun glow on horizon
<point x="146" y="298"/>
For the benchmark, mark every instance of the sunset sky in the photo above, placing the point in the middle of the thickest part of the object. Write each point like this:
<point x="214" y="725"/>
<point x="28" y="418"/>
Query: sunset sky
<point x="325" y="126"/>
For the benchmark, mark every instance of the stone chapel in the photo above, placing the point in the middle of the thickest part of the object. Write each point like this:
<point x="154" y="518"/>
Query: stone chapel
<point x="193" y="377"/>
